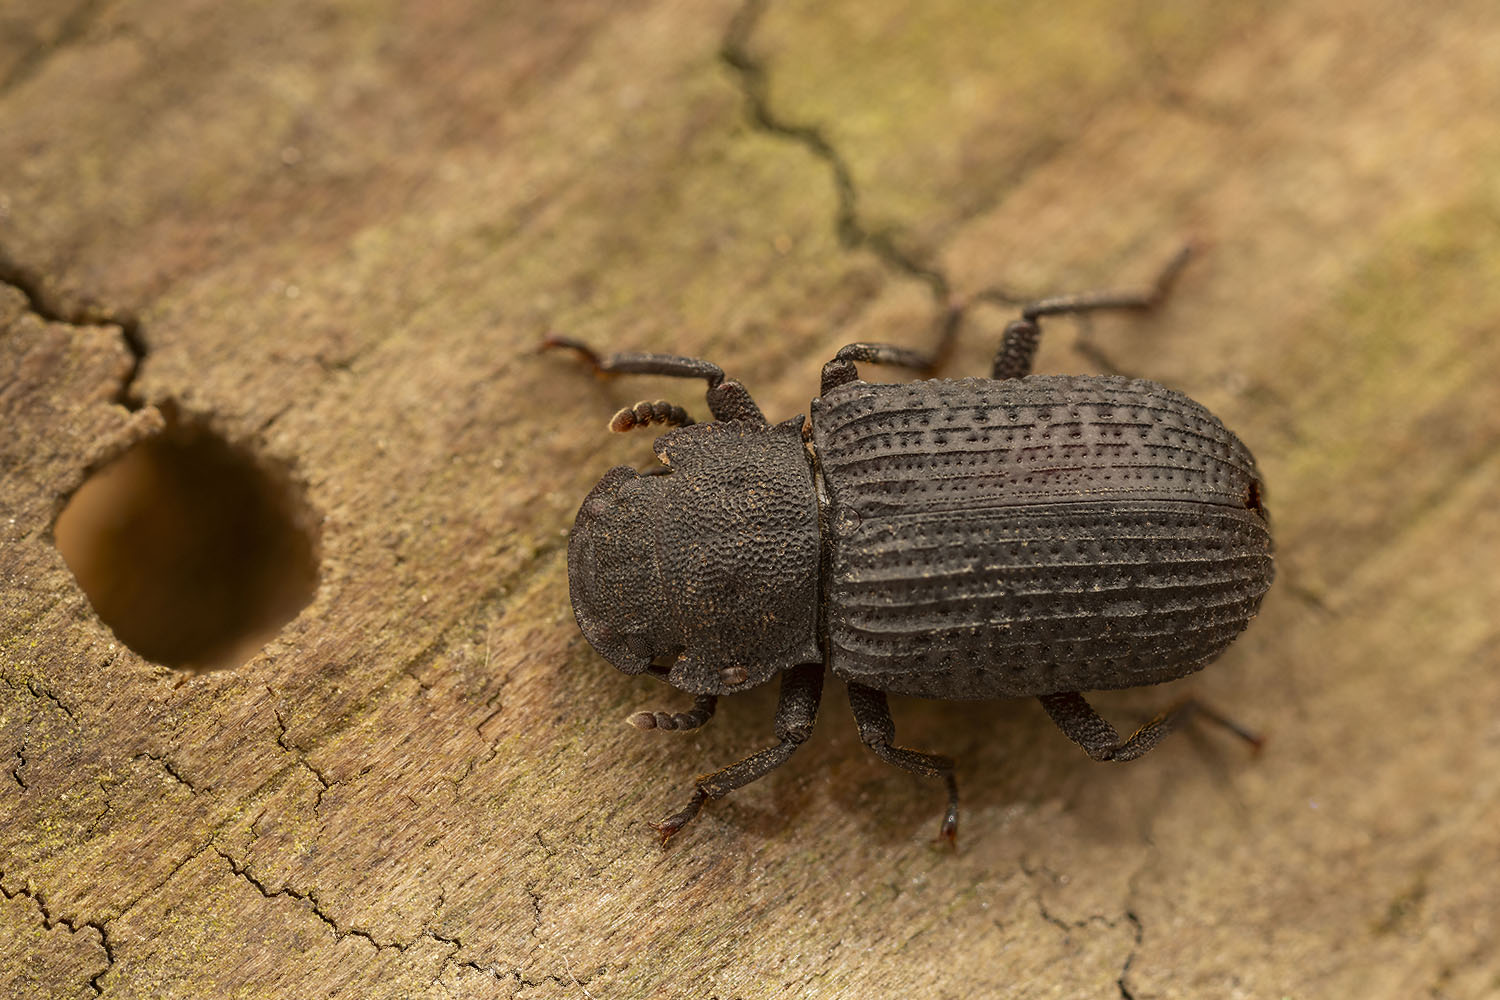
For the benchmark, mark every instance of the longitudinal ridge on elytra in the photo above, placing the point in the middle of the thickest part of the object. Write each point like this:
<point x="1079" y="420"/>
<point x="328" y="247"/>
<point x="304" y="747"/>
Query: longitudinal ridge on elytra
<point x="1062" y="505"/>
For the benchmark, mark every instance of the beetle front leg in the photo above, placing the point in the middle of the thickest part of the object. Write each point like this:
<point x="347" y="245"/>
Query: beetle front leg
<point x="1084" y="726"/>
<point x="872" y="714"/>
<point x="727" y="399"/>
<point x="796" y="711"/>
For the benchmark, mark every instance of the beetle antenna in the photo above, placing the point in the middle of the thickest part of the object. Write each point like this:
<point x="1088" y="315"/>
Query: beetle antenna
<point x="643" y="414"/>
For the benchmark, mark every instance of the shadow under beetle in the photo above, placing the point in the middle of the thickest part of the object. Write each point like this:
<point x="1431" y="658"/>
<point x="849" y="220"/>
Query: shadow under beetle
<point x="1022" y="535"/>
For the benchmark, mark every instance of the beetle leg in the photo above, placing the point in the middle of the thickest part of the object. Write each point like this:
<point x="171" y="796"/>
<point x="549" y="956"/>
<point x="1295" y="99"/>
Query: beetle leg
<point x="842" y="369"/>
<point x="1018" y="345"/>
<point x="727" y="399"/>
<point x="1017" y="350"/>
<point x="1081" y="724"/>
<point x="796" y="710"/>
<point x="1140" y="298"/>
<point x="703" y="710"/>
<point x="873" y="716"/>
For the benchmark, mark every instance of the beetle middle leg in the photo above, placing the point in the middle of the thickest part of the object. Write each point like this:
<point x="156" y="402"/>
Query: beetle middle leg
<point x="796" y="711"/>
<point x="1084" y="726"/>
<point x="841" y="369"/>
<point x="1019" y="342"/>
<point x="727" y="398"/>
<point x="872" y="714"/>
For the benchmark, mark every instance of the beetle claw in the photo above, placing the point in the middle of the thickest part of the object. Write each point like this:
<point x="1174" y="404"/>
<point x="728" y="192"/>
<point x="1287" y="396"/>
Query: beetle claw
<point x="948" y="832"/>
<point x="667" y="828"/>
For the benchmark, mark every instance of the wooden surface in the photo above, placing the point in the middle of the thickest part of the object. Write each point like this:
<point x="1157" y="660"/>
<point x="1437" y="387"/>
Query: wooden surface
<point x="335" y="232"/>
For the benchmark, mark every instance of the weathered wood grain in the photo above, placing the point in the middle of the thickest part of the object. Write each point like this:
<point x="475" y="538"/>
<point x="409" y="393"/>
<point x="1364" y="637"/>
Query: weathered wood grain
<point x="337" y="232"/>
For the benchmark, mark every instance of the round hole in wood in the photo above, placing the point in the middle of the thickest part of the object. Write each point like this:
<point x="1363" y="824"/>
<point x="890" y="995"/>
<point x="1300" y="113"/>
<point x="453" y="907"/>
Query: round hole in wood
<point x="192" y="549"/>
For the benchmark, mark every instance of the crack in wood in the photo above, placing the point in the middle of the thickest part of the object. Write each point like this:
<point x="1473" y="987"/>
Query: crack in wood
<point x="852" y="231"/>
<point x="170" y="768"/>
<point x="274" y="782"/>
<point x="311" y="899"/>
<point x="109" y="959"/>
<point x="298" y="754"/>
<point x="1140" y="935"/>
<point x="40" y="693"/>
<point x="1131" y="893"/>
<point x="1128" y="915"/>
<point x="73" y="926"/>
<point x="92" y="830"/>
<point x="157" y="887"/>
<point x="45" y="306"/>
<point x="567" y="978"/>
<point x="851" y="228"/>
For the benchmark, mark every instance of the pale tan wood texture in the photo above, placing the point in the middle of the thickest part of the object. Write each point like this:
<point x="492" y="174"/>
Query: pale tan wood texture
<point x="338" y="231"/>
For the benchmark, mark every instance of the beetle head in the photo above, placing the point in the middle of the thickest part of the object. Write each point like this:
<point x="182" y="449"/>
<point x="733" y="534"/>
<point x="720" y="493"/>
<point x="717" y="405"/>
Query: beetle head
<point x="710" y="570"/>
<point x="612" y="574"/>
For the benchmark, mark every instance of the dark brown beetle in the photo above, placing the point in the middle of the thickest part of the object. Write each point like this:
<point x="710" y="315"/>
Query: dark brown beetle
<point x="957" y="539"/>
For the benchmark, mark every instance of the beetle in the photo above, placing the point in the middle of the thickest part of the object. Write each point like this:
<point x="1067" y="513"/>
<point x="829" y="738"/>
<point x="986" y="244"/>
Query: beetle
<point x="1021" y="535"/>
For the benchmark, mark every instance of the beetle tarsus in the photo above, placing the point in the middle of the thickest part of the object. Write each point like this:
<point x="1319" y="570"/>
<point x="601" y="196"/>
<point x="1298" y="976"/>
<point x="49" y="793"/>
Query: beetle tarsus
<point x="842" y="368"/>
<point x="730" y="400"/>
<point x="1138" y="298"/>
<point x="948" y="831"/>
<point x="669" y="827"/>
<point x="836" y="373"/>
<point x="586" y="353"/>
<point x="1017" y="350"/>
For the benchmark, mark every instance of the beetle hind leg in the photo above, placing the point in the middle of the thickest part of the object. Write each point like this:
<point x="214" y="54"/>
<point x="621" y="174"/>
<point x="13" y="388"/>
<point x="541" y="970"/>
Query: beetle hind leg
<point x="876" y="730"/>
<point x="1084" y="726"/>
